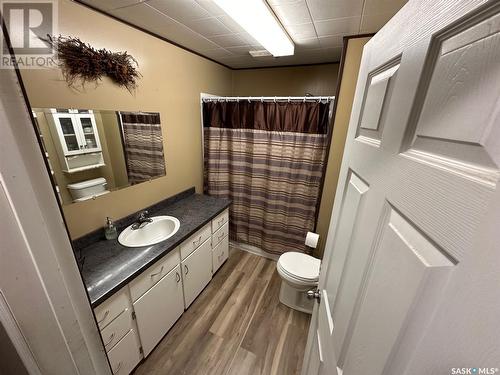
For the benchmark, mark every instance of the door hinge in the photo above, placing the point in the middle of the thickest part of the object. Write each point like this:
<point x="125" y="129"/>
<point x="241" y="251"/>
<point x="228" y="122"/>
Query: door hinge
<point x="141" y="350"/>
<point x="133" y="315"/>
<point x="314" y="294"/>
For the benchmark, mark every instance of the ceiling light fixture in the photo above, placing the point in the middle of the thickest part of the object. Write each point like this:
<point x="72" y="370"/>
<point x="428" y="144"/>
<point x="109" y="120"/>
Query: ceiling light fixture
<point x="259" y="21"/>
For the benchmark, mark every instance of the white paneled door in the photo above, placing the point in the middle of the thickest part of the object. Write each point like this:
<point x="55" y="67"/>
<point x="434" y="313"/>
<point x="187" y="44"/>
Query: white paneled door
<point x="411" y="274"/>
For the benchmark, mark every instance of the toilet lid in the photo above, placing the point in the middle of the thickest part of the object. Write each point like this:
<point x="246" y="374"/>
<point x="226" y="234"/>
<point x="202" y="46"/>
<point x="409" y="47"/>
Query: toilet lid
<point x="301" y="266"/>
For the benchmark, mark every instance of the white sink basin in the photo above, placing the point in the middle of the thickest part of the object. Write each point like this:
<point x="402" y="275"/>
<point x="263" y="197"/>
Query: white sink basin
<point x="161" y="228"/>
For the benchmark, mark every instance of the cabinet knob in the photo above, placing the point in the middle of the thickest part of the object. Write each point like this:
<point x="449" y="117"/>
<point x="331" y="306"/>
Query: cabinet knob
<point x="186" y="269"/>
<point x="177" y="277"/>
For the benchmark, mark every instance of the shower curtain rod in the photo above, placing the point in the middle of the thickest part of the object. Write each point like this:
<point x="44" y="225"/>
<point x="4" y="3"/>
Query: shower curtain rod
<point x="267" y="98"/>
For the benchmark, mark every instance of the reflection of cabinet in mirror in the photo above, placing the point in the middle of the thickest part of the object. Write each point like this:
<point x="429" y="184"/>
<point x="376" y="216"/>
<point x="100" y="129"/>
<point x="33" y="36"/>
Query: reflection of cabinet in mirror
<point x="79" y="147"/>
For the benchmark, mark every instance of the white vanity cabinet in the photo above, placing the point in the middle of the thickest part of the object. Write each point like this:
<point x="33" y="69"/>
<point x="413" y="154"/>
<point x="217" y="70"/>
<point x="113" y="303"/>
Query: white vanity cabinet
<point x="134" y="320"/>
<point x="196" y="272"/>
<point x="158" y="309"/>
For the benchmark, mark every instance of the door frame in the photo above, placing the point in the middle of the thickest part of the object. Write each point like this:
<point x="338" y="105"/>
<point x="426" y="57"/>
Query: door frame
<point x="33" y="204"/>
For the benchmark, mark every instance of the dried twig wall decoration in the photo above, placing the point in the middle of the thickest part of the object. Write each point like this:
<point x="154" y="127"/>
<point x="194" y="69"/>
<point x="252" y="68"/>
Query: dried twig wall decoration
<point x="80" y="61"/>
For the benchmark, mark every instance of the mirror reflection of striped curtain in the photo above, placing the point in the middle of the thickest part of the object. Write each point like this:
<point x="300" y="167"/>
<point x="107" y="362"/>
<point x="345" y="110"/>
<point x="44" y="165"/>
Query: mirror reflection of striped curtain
<point x="267" y="157"/>
<point x="143" y="145"/>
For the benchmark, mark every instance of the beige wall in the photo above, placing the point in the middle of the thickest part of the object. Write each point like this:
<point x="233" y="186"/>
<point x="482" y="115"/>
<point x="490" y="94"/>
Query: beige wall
<point x="293" y="81"/>
<point x="341" y="124"/>
<point x="171" y="84"/>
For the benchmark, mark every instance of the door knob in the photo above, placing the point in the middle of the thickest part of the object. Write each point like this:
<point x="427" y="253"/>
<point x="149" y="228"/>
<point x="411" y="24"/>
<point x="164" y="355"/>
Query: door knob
<point x="314" y="294"/>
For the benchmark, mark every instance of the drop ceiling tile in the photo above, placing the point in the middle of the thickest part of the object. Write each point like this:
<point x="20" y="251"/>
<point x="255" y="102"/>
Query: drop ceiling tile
<point x="249" y="39"/>
<point x="181" y="10"/>
<point x="146" y="17"/>
<point x="208" y="27"/>
<point x="374" y="22"/>
<point x="303" y="31"/>
<point x="383" y="6"/>
<point x="230" y="40"/>
<point x="111" y="4"/>
<point x="230" y="24"/>
<point x="279" y="2"/>
<point x="305" y="44"/>
<point x="331" y="41"/>
<point x="346" y="26"/>
<point x="201" y="26"/>
<point x="292" y="13"/>
<point x="211" y="7"/>
<point x="192" y="40"/>
<point x="217" y="53"/>
<point x="329" y="9"/>
<point x="241" y="50"/>
<point x="237" y="61"/>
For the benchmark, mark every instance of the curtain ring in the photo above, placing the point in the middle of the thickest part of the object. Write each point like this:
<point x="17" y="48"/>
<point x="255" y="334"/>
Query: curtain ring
<point x="262" y="99"/>
<point x="304" y="99"/>
<point x="289" y="99"/>
<point x="275" y="99"/>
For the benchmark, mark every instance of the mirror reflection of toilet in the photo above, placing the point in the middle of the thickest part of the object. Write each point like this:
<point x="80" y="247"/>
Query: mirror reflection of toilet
<point x="299" y="273"/>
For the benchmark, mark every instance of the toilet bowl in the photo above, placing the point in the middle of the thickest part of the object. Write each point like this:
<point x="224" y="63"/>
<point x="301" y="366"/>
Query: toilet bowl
<point x="299" y="273"/>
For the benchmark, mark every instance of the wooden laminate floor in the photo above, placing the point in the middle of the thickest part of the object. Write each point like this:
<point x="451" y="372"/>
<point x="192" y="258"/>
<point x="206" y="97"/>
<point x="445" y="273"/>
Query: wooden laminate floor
<point x="236" y="326"/>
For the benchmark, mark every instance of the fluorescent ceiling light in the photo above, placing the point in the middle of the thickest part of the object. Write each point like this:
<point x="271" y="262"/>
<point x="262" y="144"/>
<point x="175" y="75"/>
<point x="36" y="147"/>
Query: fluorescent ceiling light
<point x="258" y="20"/>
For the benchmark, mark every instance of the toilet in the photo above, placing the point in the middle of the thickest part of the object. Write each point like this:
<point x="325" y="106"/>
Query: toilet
<point x="88" y="189"/>
<point x="299" y="273"/>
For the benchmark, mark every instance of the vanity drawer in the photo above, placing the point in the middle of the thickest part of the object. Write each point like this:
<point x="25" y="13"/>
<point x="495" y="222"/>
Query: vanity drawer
<point x="153" y="274"/>
<point x="125" y="354"/>
<point x="220" y="234"/>
<point x="111" y="308"/>
<point x="188" y="246"/>
<point x="220" y="253"/>
<point x="220" y="220"/>
<point x="118" y="328"/>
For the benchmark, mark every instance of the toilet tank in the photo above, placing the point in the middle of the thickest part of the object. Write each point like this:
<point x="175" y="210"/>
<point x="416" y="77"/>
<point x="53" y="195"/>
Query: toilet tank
<point x="87" y="189"/>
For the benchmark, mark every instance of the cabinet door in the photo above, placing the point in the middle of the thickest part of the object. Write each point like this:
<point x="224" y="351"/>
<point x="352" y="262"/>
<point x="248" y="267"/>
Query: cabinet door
<point x="220" y="253"/>
<point x="196" y="272"/>
<point x="88" y="131"/>
<point x="158" y="309"/>
<point x="125" y="355"/>
<point x="68" y="132"/>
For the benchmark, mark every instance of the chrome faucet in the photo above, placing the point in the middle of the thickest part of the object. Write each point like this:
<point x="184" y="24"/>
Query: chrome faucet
<point x="143" y="219"/>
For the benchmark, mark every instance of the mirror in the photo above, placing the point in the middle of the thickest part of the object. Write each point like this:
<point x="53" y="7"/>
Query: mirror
<point x="93" y="152"/>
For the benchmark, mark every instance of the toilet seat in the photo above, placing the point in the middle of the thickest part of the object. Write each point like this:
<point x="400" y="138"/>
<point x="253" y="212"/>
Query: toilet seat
<point x="299" y="267"/>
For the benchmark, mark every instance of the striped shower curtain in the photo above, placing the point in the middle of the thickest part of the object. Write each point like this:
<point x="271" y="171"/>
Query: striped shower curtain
<point x="143" y="146"/>
<point x="267" y="157"/>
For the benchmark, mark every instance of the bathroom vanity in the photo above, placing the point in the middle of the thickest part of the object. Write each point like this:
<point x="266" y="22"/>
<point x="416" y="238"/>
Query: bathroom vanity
<point x="139" y="293"/>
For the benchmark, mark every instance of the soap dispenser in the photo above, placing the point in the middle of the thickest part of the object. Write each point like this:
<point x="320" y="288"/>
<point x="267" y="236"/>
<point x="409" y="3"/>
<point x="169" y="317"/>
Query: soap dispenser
<point x="110" y="231"/>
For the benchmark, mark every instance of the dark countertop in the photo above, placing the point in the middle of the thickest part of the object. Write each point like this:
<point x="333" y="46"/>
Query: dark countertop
<point x="108" y="266"/>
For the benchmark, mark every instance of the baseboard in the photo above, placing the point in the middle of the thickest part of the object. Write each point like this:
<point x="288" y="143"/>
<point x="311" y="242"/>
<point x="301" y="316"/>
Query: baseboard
<point x="253" y="250"/>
